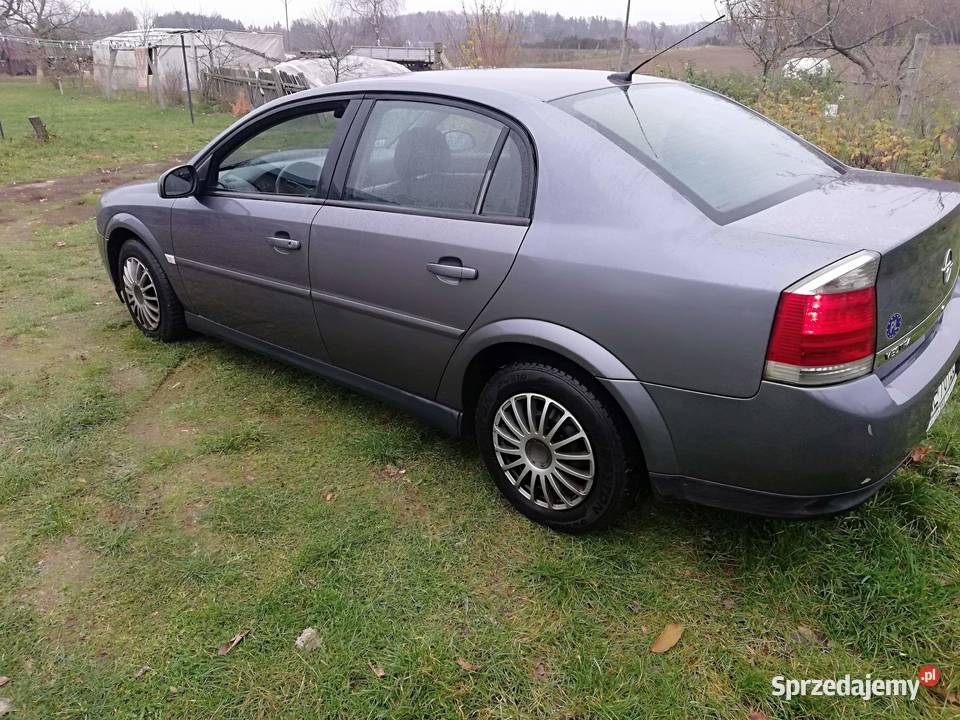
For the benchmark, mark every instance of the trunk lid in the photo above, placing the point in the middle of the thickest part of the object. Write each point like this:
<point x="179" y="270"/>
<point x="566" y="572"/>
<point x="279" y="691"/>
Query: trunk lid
<point x="913" y="222"/>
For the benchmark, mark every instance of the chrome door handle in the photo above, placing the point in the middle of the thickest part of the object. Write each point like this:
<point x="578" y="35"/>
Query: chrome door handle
<point x="283" y="243"/>
<point x="456" y="272"/>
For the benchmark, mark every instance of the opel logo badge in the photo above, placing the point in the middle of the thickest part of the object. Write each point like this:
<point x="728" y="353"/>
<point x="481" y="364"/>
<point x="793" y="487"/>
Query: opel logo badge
<point x="947" y="266"/>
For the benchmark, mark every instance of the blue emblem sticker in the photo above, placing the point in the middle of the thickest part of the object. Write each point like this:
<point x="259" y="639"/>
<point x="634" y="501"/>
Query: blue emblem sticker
<point x="894" y="324"/>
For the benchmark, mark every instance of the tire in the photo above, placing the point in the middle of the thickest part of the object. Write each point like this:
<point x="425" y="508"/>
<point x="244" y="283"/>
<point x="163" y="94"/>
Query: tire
<point x="571" y="493"/>
<point x="148" y="295"/>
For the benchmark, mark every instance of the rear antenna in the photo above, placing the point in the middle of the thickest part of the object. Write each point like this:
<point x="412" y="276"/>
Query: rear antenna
<point x="626" y="77"/>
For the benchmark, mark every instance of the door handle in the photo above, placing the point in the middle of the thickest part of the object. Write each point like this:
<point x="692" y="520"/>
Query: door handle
<point x="283" y="243"/>
<point x="455" y="272"/>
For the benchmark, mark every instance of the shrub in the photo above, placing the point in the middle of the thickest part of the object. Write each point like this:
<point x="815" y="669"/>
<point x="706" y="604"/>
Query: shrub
<point x="860" y="134"/>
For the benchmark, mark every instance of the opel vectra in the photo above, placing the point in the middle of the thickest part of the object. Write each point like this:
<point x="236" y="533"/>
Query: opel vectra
<point x="603" y="279"/>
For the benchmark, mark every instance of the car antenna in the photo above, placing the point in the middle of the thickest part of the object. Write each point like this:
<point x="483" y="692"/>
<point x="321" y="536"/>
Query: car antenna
<point x="628" y="76"/>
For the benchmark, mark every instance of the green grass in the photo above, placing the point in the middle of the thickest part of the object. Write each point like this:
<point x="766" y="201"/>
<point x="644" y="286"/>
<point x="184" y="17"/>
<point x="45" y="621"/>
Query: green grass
<point x="155" y="500"/>
<point x="89" y="132"/>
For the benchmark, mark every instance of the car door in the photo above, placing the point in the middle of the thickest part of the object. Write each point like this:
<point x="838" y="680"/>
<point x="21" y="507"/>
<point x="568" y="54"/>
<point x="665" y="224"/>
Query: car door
<point x="242" y="243"/>
<point x="427" y="219"/>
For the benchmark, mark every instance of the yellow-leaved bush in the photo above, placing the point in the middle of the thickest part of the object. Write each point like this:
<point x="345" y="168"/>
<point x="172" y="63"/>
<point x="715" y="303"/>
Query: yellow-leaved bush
<point x="859" y="134"/>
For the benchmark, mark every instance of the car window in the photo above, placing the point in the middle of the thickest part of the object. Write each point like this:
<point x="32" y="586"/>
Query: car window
<point x="721" y="153"/>
<point x="507" y="193"/>
<point x="422" y="155"/>
<point x="284" y="159"/>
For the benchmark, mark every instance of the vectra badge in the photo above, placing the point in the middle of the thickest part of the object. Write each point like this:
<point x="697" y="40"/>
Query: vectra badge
<point x="947" y="267"/>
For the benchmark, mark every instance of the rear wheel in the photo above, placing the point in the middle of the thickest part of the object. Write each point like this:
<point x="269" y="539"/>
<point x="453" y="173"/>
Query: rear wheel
<point x="148" y="295"/>
<point x="554" y="447"/>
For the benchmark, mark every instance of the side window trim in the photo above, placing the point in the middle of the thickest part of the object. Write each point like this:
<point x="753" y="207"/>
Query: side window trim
<point x="258" y="125"/>
<point x="359" y="122"/>
<point x="491" y="165"/>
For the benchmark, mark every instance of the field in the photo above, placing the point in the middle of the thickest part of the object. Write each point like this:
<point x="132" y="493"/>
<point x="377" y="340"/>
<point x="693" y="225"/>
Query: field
<point x="158" y="500"/>
<point x="942" y="64"/>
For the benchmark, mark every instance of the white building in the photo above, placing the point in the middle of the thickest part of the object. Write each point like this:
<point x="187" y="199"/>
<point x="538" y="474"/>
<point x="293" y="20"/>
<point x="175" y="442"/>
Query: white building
<point x="132" y="59"/>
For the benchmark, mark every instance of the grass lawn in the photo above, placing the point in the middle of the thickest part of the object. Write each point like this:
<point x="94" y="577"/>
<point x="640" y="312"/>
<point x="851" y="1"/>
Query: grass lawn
<point x="156" y="500"/>
<point x="90" y="132"/>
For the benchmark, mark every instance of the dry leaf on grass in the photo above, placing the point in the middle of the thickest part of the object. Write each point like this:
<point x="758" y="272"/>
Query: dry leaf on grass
<point x="393" y="471"/>
<point x="309" y="639"/>
<point x="467" y="665"/>
<point x="330" y="497"/>
<point x="757" y="715"/>
<point x="4" y="680"/>
<point x="141" y="672"/>
<point x="668" y="638"/>
<point x="539" y="669"/>
<point x="376" y="669"/>
<point x="951" y="698"/>
<point x="919" y="453"/>
<point x="232" y="643"/>
<point x="806" y="635"/>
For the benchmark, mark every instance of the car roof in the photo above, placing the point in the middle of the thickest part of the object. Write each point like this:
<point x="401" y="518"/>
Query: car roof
<point x="536" y="83"/>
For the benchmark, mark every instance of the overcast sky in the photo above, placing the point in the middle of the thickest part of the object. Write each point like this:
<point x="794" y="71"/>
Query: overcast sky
<point x="264" y="12"/>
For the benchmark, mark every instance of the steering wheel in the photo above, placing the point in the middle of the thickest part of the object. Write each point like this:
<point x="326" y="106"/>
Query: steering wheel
<point x="297" y="178"/>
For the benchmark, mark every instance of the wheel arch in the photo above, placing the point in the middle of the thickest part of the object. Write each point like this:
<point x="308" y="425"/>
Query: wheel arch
<point x="498" y="344"/>
<point x="123" y="227"/>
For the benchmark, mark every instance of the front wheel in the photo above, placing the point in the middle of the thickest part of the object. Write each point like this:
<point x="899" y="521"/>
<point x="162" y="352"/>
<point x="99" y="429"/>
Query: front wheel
<point x="554" y="447"/>
<point x="147" y="293"/>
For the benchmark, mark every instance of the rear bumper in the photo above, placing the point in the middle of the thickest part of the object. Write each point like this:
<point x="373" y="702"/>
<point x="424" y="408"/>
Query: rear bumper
<point x="796" y="452"/>
<point x="760" y="502"/>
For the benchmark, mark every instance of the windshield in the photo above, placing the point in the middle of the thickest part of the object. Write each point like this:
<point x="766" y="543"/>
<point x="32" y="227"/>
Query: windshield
<point x="729" y="159"/>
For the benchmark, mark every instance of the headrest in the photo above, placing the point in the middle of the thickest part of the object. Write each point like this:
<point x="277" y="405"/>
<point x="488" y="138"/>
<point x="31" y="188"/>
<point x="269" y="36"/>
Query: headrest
<point x="421" y="151"/>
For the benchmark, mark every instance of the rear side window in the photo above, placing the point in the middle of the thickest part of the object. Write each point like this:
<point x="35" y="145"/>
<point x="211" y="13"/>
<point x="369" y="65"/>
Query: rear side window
<point x="730" y="160"/>
<point x="422" y="155"/>
<point x="508" y="193"/>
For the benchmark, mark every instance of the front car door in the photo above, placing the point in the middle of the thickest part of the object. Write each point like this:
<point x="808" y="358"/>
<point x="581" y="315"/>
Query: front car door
<point x="242" y="243"/>
<point x="424" y="223"/>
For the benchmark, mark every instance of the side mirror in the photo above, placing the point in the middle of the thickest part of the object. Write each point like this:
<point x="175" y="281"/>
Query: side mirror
<point x="178" y="182"/>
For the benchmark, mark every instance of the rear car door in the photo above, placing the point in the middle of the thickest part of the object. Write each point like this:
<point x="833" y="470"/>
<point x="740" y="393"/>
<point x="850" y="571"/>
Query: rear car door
<point x="428" y="216"/>
<point x="242" y="242"/>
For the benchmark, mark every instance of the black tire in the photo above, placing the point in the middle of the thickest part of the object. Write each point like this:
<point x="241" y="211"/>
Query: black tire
<point x="172" y="325"/>
<point x="614" y="452"/>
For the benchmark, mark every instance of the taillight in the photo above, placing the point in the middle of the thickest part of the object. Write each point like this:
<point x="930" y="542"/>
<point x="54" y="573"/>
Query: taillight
<point x="825" y="329"/>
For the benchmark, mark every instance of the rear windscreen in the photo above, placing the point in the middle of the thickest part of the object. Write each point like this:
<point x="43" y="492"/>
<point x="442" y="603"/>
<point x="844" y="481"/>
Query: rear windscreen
<point x="727" y="158"/>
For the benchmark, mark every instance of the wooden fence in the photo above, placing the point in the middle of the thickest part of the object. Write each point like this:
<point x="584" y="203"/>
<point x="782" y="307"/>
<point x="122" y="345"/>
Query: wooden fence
<point x="260" y="86"/>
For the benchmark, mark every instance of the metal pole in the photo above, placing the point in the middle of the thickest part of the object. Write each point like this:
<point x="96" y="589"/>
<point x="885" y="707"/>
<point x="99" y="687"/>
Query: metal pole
<point x="186" y="74"/>
<point x="623" y="43"/>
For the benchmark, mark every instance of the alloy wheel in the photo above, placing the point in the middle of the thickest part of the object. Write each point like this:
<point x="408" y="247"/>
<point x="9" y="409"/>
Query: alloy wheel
<point x="544" y="451"/>
<point x="140" y="293"/>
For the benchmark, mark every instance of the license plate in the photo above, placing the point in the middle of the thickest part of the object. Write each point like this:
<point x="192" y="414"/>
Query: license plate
<point x="941" y="396"/>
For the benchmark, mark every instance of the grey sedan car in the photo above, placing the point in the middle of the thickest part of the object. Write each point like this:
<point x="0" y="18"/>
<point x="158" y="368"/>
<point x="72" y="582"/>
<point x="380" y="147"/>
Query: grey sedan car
<point x="606" y="281"/>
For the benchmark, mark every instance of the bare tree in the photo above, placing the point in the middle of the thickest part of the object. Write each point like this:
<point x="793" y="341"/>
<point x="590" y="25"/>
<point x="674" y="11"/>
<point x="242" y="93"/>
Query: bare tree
<point x="492" y="39"/>
<point x="765" y="27"/>
<point x="853" y="29"/>
<point x="331" y="37"/>
<point x="45" y="19"/>
<point x="8" y="10"/>
<point x="374" y="13"/>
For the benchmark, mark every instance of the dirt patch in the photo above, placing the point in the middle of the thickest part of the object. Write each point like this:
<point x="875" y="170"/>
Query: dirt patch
<point x="127" y="379"/>
<point x="75" y="186"/>
<point x="183" y="493"/>
<point x="71" y="213"/>
<point x="157" y="425"/>
<point x="28" y="354"/>
<point x="64" y="568"/>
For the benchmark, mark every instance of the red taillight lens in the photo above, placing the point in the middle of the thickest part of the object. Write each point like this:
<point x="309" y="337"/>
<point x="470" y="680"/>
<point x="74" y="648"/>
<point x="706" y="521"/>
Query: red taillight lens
<point x="820" y="330"/>
<point x="825" y="328"/>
